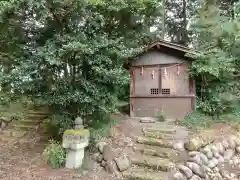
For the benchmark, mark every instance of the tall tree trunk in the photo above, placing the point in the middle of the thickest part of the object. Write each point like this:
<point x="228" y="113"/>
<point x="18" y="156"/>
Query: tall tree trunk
<point x="163" y="18"/>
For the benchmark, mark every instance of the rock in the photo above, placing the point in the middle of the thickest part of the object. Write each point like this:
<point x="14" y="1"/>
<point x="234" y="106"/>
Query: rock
<point x="107" y="153"/>
<point x="179" y="176"/>
<point x="207" y="151"/>
<point x="123" y="163"/>
<point x="225" y="174"/>
<point x="3" y="124"/>
<point x="220" y="160"/>
<point x="228" y="154"/>
<point x="213" y="163"/>
<point x="231" y="142"/>
<point x="101" y="145"/>
<point x="103" y="163"/>
<point x="95" y="156"/>
<point x="100" y="158"/>
<point x="207" y="169"/>
<point x="193" y="144"/>
<point x="220" y="148"/>
<point x="196" y="169"/>
<point x="193" y="153"/>
<point x="179" y="146"/>
<point x="215" y="151"/>
<point x="195" y="177"/>
<point x="225" y="144"/>
<point x="237" y="141"/>
<point x="235" y="160"/>
<point x="78" y="121"/>
<point x="238" y="149"/>
<point x="109" y="167"/>
<point x="185" y="170"/>
<point x="204" y="158"/>
<point x="196" y="159"/>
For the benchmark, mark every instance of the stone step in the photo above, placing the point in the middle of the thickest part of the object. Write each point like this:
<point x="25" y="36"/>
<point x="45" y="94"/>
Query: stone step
<point x="28" y="122"/>
<point x="143" y="174"/>
<point x="152" y="162"/>
<point x="24" y="127"/>
<point x="156" y="151"/>
<point x="158" y="135"/>
<point x="38" y="113"/>
<point x="156" y="142"/>
<point x="163" y="129"/>
<point x="36" y="116"/>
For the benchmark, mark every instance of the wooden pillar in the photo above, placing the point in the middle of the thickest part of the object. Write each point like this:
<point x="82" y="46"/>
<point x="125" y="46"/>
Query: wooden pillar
<point x="132" y="91"/>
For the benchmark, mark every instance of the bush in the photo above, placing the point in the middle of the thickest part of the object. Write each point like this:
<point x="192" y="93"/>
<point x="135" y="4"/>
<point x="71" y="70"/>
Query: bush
<point x="54" y="154"/>
<point x="56" y="125"/>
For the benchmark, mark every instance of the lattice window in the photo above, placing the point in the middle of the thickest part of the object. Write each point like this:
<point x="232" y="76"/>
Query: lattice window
<point x="165" y="91"/>
<point x="154" y="91"/>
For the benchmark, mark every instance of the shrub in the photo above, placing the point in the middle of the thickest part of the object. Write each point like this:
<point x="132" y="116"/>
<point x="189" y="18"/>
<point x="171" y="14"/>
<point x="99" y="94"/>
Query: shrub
<point x="57" y="124"/>
<point x="54" y="154"/>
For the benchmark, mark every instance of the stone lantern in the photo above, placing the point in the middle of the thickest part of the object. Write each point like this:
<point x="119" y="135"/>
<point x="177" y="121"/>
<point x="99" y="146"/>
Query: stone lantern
<point x="75" y="140"/>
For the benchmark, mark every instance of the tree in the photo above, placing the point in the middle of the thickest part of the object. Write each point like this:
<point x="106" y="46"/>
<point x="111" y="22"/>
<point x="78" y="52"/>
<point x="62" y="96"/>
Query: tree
<point x="71" y="52"/>
<point x="177" y="20"/>
<point x="216" y="37"/>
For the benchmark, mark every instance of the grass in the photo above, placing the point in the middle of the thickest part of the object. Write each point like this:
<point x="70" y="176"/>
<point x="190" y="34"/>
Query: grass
<point x="101" y="130"/>
<point x="198" y="120"/>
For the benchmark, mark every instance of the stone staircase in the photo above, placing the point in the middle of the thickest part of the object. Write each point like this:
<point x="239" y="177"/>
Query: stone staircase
<point x="157" y="150"/>
<point x="17" y="129"/>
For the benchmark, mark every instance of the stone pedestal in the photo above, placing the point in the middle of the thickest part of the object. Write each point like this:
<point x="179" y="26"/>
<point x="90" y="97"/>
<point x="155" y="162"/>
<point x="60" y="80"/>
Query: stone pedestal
<point x="74" y="158"/>
<point x="75" y="140"/>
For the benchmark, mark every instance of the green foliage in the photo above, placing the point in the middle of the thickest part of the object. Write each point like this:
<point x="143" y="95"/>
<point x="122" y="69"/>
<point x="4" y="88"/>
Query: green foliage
<point x="56" y="125"/>
<point x="69" y="55"/>
<point x="54" y="154"/>
<point x="99" y="130"/>
<point x="216" y="65"/>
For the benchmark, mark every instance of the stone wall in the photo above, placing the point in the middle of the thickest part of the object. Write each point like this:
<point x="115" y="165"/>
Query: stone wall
<point x="210" y="157"/>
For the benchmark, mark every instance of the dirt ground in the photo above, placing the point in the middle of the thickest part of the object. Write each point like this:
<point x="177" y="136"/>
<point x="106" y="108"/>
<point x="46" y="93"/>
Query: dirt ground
<point x="21" y="160"/>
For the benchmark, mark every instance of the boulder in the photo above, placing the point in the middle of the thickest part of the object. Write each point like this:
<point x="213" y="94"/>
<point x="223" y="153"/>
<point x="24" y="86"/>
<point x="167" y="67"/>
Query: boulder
<point x="228" y="154"/>
<point x="185" y="170"/>
<point x="202" y="139"/>
<point x="225" y="143"/>
<point x="179" y="146"/>
<point x="207" y="151"/>
<point x="196" y="169"/>
<point x="103" y="163"/>
<point x="95" y="156"/>
<point x="213" y="163"/>
<point x="219" y="147"/>
<point x="107" y="153"/>
<point x="100" y="158"/>
<point x="196" y="159"/>
<point x="109" y="167"/>
<point x="238" y="149"/>
<point x="236" y="160"/>
<point x="179" y="176"/>
<point x="231" y="142"/>
<point x="101" y="145"/>
<point x="204" y="158"/>
<point x="193" y="153"/>
<point x="195" y="177"/>
<point x="123" y="163"/>
<point x="220" y="160"/>
<point x="215" y="151"/>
